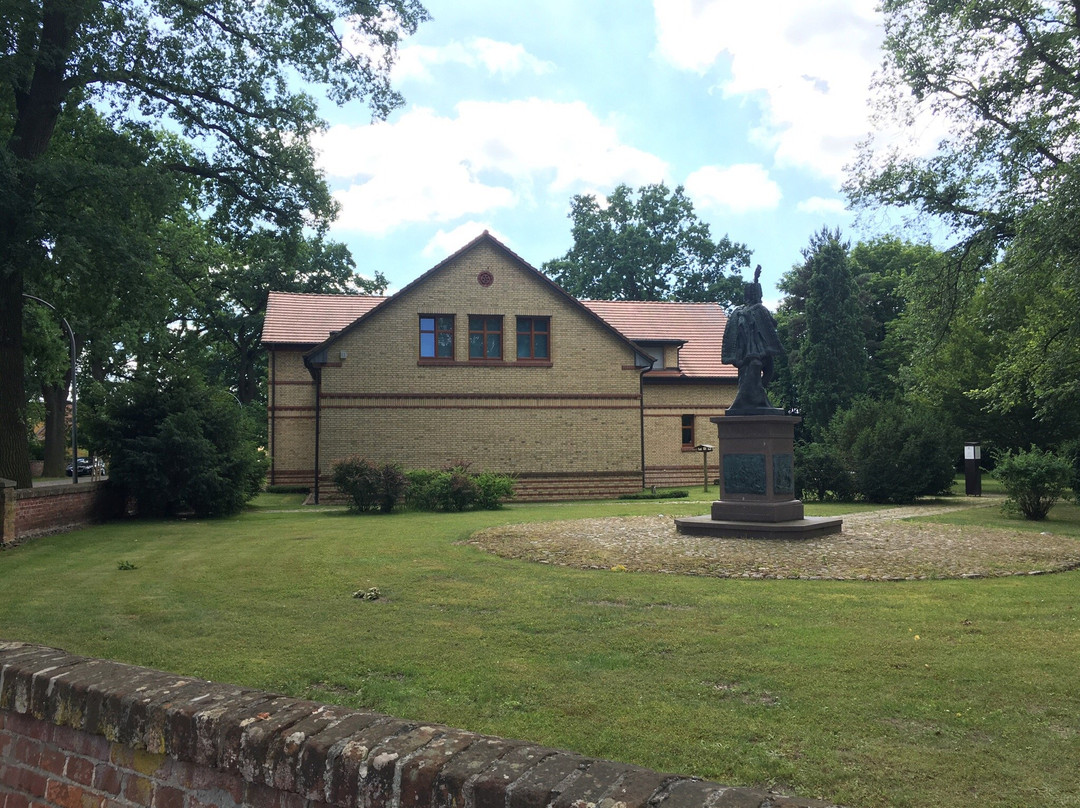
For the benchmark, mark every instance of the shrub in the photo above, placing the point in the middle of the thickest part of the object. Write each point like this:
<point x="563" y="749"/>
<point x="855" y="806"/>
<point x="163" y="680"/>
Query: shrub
<point x="896" y="453"/>
<point x="455" y="489"/>
<point x="675" y="494"/>
<point x="369" y="486"/>
<point x="1070" y="450"/>
<point x="288" y="489"/>
<point x="820" y="470"/>
<point x="1034" y="480"/>
<point x="177" y="445"/>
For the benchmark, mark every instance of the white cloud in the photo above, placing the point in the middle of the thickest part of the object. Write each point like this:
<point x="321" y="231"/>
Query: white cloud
<point x="733" y="189"/>
<point x="808" y="63"/>
<point x="447" y="242"/>
<point x="497" y="58"/>
<point x="819" y="204"/>
<point x="428" y="168"/>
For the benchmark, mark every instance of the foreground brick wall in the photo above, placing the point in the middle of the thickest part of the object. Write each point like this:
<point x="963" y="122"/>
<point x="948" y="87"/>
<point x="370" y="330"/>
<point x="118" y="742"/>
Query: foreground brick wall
<point x="85" y="733"/>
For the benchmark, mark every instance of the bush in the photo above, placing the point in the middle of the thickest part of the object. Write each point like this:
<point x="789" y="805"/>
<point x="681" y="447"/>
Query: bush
<point x="288" y="489"/>
<point x="1071" y="452"/>
<point x="368" y="486"/>
<point x="896" y="454"/>
<point x="455" y="489"/>
<point x="820" y="470"/>
<point x="675" y="494"/>
<point x="176" y="445"/>
<point x="1034" y="480"/>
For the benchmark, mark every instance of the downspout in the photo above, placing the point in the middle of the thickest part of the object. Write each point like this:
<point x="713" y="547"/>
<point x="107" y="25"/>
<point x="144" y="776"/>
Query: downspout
<point x="318" y="413"/>
<point x="641" y="411"/>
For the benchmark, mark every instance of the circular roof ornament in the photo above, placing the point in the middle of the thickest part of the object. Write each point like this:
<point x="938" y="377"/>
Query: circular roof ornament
<point x="485" y="278"/>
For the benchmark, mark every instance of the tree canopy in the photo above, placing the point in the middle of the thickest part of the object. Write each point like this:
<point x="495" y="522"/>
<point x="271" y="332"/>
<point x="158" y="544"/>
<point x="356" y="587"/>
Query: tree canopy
<point x="1003" y="77"/>
<point x="223" y="74"/>
<point x="647" y="245"/>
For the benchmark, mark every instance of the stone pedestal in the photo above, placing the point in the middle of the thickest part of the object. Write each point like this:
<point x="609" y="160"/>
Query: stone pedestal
<point x="757" y="483"/>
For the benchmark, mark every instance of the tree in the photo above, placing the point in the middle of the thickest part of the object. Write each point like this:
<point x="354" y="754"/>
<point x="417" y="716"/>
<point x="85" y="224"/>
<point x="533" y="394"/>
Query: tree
<point x="650" y="248"/>
<point x="220" y="70"/>
<point x="821" y="327"/>
<point x="177" y="445"/>
<point x="1004" y="77"/>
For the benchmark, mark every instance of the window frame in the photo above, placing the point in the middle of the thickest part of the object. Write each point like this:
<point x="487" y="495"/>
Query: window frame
<point x="435" y="332"/>
<point x="532" y="334"/>
<point x="485" y="333"/>
<point x="684" y="427"/>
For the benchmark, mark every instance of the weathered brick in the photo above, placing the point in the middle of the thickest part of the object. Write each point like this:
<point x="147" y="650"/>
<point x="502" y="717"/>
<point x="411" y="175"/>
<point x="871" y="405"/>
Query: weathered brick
<point x="138" y="789"/>
<point x="377" y="779"/>
<point x="30" y="782"/>
<point x="418" y="771"/>
<point x="81" y="743"/>
<point x="27" y="750"/>
<point x="318" y="749"/>
<point x="198" y="724"/>
<point x="16" y="801"/>
<point x="690" y="793"/>
<point x="453" y="786"/>
<point x="66" y="795"/>
<point x="491" y="786"/>
<point x="538" y="787"/>
<point x="285" y="750"/>
<point x="217" y="786"/>
<point x="259" y="796"/>
<point x="635" y="789"/>
<point x="265" y="732"/>
<point x="167" y="797"/>
<point x="80" y="770"/>
<point x="593" y="783"/>
<point x="52" y="760"/>
<point x="347" y="759"/>
<point x="107" y="779"/>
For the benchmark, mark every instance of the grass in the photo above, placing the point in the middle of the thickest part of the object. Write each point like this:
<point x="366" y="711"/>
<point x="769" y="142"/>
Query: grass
<point x="903" y="694"/>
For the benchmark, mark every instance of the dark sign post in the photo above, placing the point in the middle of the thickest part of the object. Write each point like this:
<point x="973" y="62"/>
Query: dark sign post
<point x="972" y="475"/>
<point x="704" y="448"/>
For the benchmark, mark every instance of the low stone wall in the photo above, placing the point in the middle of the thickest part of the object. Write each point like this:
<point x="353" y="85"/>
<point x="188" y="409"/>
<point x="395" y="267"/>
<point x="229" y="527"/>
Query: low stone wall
<point x="86" y="733"/>
<point x="50" y="509"/>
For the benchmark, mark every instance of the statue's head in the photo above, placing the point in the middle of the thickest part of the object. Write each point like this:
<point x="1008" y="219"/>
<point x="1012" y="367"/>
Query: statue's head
<point x="753" y="290"/>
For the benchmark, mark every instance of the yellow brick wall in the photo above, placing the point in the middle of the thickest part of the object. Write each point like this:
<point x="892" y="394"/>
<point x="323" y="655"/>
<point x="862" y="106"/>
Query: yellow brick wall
<point x="291" y="432"/>
<point x="666" y="463"/>
<point x="579" y="415"/>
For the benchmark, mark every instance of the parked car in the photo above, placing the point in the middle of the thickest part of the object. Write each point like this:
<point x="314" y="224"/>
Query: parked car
<point x="87" y="467"/>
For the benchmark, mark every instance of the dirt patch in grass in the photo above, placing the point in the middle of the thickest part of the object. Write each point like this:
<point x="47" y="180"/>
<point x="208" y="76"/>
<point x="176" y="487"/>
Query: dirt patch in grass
<point x="874" y="546"/>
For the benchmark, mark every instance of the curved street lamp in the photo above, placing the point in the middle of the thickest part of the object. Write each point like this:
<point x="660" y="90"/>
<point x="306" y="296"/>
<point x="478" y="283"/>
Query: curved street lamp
<point x="74" y="401"/>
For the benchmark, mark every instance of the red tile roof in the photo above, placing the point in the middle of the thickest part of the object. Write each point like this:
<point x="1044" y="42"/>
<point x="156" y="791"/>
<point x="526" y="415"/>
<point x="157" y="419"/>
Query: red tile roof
<point x="701" y="325"/>
<point x="301" y="319"/>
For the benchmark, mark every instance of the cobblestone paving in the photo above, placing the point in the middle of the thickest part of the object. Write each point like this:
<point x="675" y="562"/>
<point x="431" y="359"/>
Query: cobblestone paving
<point x="875" y="546"/>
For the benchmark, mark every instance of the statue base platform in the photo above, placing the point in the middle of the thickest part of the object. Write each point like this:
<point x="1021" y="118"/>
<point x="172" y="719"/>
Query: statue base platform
<point x="757" y="491"/>
<point x="794" y="529"/>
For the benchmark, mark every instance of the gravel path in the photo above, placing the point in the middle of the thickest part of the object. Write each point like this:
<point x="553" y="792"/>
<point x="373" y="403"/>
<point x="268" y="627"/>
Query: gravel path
<point x="879" y="545"/>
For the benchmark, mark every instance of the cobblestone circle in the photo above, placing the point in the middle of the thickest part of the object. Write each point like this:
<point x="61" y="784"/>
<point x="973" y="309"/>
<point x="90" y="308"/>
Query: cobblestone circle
<point x="882" y="545"/>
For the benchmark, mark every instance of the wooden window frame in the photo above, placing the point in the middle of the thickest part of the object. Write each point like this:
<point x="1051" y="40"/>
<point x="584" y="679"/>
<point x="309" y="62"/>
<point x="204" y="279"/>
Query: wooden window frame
<point x="532" y="332"/>
<point x="435" y="332"/>
<point x="485" y="333"/>
<point x="684" y="426"/>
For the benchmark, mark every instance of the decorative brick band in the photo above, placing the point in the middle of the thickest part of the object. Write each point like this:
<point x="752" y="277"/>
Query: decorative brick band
<point x="87" y="733"/>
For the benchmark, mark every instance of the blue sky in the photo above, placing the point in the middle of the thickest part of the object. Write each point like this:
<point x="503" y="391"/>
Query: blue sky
<point x="512" y="108"/>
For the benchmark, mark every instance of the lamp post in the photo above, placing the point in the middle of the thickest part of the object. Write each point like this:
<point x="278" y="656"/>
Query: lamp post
<point x="74" y="396"/>
<point x="704" y="448"/>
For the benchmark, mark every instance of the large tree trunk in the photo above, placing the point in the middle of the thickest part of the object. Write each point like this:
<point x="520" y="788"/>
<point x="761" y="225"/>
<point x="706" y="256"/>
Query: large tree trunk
<point x="55" y="396"/>
<point x="37" y="109"/>
<point x="14" y="448"/>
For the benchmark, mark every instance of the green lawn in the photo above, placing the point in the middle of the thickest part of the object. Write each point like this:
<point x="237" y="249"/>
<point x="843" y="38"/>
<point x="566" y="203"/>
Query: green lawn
<point x="943" y="693"/>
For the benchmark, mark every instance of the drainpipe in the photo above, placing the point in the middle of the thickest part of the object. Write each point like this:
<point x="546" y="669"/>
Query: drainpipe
<point x="318" y="414"/>
<point x="641" y="411"/>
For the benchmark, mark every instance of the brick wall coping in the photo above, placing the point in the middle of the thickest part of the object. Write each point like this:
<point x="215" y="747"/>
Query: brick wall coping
<point x="62" y="490"/>
<point x="333" y="755"/>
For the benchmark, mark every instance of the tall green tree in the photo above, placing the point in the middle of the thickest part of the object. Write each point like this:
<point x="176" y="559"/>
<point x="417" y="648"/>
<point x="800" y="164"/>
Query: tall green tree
<point x="647" y="245"/>
<point x="821" y="327"/>
<point x="1003" y="77"/>
<point x="222" y="71"/>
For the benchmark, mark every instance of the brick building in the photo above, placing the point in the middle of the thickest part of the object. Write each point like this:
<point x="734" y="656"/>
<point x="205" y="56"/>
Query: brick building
<point x="484" y="359"/>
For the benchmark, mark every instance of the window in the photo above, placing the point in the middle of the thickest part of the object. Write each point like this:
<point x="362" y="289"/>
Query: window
<point x="688" y="431"/>
<point x="533" y="338"/>
<point x="485" y="337"/>
<point x="436" y="336"/>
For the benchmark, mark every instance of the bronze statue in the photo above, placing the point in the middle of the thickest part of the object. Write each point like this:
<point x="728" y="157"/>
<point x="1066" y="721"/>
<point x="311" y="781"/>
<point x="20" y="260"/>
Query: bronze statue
<point x="750" y="343"/>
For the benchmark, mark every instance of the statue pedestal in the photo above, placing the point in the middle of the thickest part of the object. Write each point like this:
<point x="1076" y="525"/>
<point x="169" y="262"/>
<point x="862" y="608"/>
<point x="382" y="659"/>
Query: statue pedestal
<point x="757" y="484"/>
